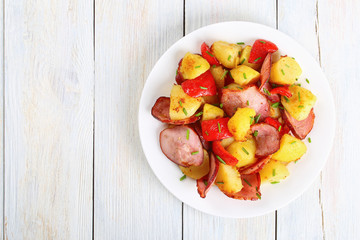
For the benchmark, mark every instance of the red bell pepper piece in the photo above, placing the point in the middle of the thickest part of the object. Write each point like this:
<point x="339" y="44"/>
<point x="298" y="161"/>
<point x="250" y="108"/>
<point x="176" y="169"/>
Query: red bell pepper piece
<point x="260" y="49"/>
<point x="220" y="151"/>
<point x="179" y="77"/>
<point x="203" y="85"/>
<point x="208" y="55"/>
<point x="284" y="91"/>
<point x="284" y="129"/>
<point x="276" y="124"/>
<point x="215" y="129"/>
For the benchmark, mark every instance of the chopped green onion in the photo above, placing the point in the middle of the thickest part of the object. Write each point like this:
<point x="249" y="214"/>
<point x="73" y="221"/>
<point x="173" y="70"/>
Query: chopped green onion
<point x="296" y="79"/>
<point x="251" y="120"/>
<point x="275" y="105"/>
<point x="224" y="74"/>
<point x="226" y="87"/>
<point x="183" y="177"/>
<point x="206" y="183"/>
<point x="299" y="84"/>
<point x="219" y="158"/>
<point x="219" y="128"/>
<point x="214" y="66"/>
<point x="180" y="103"/>
<point x="282" y="71"/>
<point x="229" y="57"/>
<point x="247" y="102"/>
<point x="239" y="88"/>
<point x="258" y="195"/>
<point x="287" y="65"/>
<point x="307" y="80"/>
<point x="274" y="182"/>
<point x="198" y="66"/>
<point x="257" y="118"/>
<point x="221" y="105"/>
<point x="299" y="96"/>
<point x="239" y="53"/>
<point x="243" y="61"/>
<point x="247" y="182"/>
<point x="300" y="106"/>
<point x="177" y="72"/>
<point x="267" y="91"/>
<point x="240" y="43"/>
<point x="244" y="74"/>
<point x="203" y="87"/>
<point x="286" y="98"/>
<point x="198" y="114"/>
<point x="187" y="134"/>
<point x="220" y="182"/>
<point x="184" y="110"/>
<point x="293" y="142"/>
<point x="209" y="54"/>
<point x="247" y="153"/>
<point x="274" y="172"/>
<point x="279" y="129"/>
<point x="257" y="189"/>
<point x="309" y="140"/>
<point x="194" y="153"/>
<point x="281" y="107"/>
<point x="257" y="59"/>
<point x="293" y="58"/>
<point x="256" y="133"/>
<point x="262" y="41"/>
<point x="206" y="133"/>
<point x="230" y="75"/>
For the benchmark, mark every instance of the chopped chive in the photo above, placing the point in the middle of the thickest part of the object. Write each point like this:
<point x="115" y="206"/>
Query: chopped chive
<point x="267" y="91"/>
<point x="247" y="182"/>
<point x="226" y="87"/>
<point x="300" y="106"/>
<point x="293" y="142"/>
<point x="180" y="102"/>
<point x="206" y="133"/>
<point x="257" y="59"/>
<point x="224" y="74"/>
<point x="274" y="182"/>
<point x="177" y="72"/>
<point x="293" y="58"/>
<point x="286" y="98"/>
<point x="214" y="66"/>
<point x="240" y="43"/>
<point x="257" y="189"/>
<point x="309" y="140"/>
<point x="219" y="158"/>
<point x="257" y="118"/>
<point x="198" y="114"/>
<point x="247" y="153"/>
<point x="203" y="87"/>
<point x="239" y="53"/>
<point x="220" y="182"/>
<point x="221" y="105"/>
<point x="275" y="105"/>
<point x="279" y="129"/>
<point x="296" y="79"/>
<point x="183" y="177"/>
<point x="299" y="84"/>
<point x="258" y="195"/>
<point x="184" y="110"/>
<point x="219" y="128"/>
<point x="244" y="74"/>
<point x="251" y="120"/>
<point x="256" y="133"/>
<point x="281" y="107"/>
<point x="194" y="153"/>
<point x="287" y="65"/>
<point x="230" y="75"/>
<point x="198" y="66"/>
<point x="239" y="88"/>
<point x="187" y="134"/>
<point x="262" y="41"/>
<point x="243" y="61"/>
<point x="205" y="182"/>
<point x="209" y="54"/>
<point x="229" y="57"/>
<point x="247" y="102"/>
<point x="307" y="80"/>
<point x="282" y="71"/>
<point x="274" y="172"/>
<point x="299" y="96"/>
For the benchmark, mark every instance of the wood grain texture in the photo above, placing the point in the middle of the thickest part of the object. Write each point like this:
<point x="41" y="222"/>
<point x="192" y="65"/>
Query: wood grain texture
<point x="339" y="37"/>
<point x="129" y="203"/>
<point x="49" y="81"/>
<point x="198" y="225"/>
<point x="293" y="220"/>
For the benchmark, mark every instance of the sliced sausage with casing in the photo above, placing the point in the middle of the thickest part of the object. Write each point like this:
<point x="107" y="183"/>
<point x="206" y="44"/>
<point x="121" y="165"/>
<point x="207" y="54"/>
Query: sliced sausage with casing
<point x="267" y="139"/>
<point x="299" y="128"/>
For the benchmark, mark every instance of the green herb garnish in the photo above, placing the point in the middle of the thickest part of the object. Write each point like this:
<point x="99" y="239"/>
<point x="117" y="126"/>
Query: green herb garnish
<point x="286" y="98"/>
<point x="257" y="59"/>
<point x="244" y="74"/>
<point x="214" y="66"/>
<point x="185" y="112"/>
<point x="309" y="140"/>
<point x="221" y="105"/>
<point x="220" y="182"/>
<point x="275" y="105"/>
<point x="300" y="106"/>
<point x="194" y="153"/>
<point x="274" y="182"/>
<point x="206" y="133"/>
<point x="243" y="61"/>
<point x="256" y="133"/>
<point x="187" y="134"/>
<point x="198" y="114"/>
<point x="229" y="57"/>
<point x="247" y="153"/>
<point x="257" y="118"/>
<point x="240" y="43"/>
<point x="203" y="87"/>
<point x="258" y="195"/>
<point x="180" y="103"/>
<point x="282" y="71"/>
<point x="224" y="74"/>
<point x="198" y="66"/>
<point x="209" y="54"/>
<point x="219" y="158"/>
<point x="279" y="129"/>
<point x="299" y="96"/>
<point x="262" y="41"/>
<point x="247" y="102"/>
<point x="183" y="177"/>
<point x="266" y="91"/>
<point x="287" y="65"/>
<point x="307" y="80"/>
<point x="251" y="120"/>
<point x="247" y="182"/>
<point x="293" y="142"/>
<point x="274" y="172"/>
<point x="219" y="127"/>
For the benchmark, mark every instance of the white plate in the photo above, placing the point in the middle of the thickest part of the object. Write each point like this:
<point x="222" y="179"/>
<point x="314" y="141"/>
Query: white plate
<point x="302" y="174"/>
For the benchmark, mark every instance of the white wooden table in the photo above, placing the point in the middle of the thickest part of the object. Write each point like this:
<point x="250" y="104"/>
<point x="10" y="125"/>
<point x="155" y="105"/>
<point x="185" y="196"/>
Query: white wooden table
<point x="72" y="165"/>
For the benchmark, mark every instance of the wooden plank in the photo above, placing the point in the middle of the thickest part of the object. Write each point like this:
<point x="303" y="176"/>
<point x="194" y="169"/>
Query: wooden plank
<point x="1" y="119"/>
<point x="293" y="220"/>
<point x="130" y="203"/>
<point x="339" y="39"/>
<point x="49" y="81"/>
<point x="198" y="14"/>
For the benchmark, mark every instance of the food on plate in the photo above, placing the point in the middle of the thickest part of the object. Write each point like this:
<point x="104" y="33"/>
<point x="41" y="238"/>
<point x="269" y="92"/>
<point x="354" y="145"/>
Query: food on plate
<point x="236" y="117"/>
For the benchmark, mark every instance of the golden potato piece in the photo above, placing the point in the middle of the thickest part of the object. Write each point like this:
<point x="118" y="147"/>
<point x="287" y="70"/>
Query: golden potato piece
<point x="193" y="65"/>
<point x="234" y="86"/>
<point x="285" y="71"/>
<point x="239" y="124"/>
<point x="182" y="105"/>
<point x="300" y="103"/>
<point x="273" y="172"/>
<point x="227" y="54"/>
<point x="227" y="141"/>
<point x="291" y="149"/>
<point x="244" y="75"/>
<point x="228" y="179"/>
<point x="197" y="172"/>
<point x="243" y="151"/>
<point x="244" y="57"/>
<point x="275" y="112"/>
<point x="211" y="112"/>
<point x="219" y="74"/>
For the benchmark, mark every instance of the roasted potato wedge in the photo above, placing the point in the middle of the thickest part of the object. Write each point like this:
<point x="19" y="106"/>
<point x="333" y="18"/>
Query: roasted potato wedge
<point x="228" y="54"/>
<point x="193" y="65"/>
<point x="239" y="124"/>
<point x="228" y="179"/>
<point x="285" y="71"/>
<point x="245" y="54"/>
<point x="273" y="172"/>
<point x="291" y="149"/>
<point x="219" y="74"/>
<point x="212" y="112"/>
<point x="243" y="151"/>
<point x="182" y="105"/>
<point x="197" y="172"/>
<point x="244" y="75"/>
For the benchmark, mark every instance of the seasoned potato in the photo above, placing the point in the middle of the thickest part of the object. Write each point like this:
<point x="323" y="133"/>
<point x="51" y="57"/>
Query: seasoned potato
<point x="273" y="172"/>
<point x="197" y="172"/>
<point x="275" y="112"/>
<point x="243" y="151"/>
<point x="193" y="66"/>
<point x="300" y="104"/>
<point x="239" y="124"/>
<point x="182" y="105"/>
<point x="291" y="149"/>
<point x="244" y="75"/>
<point x="218" y="73"/>
<point x="211" y="112"/>
<point x="285" y="71"/>
<point x="234" y="86"/>
<point x="228" y="179"/>
<point x="227" y="54"/>
<point x="211" y="99"/>
<point x="244" y="57"/>
<point x="227" y="141"/>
